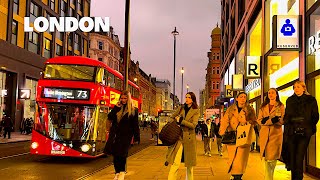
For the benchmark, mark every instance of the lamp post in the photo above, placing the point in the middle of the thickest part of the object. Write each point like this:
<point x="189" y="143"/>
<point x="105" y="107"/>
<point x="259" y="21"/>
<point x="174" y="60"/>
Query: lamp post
<point x="182" y="71"/>
<point x="187" y="88"/>
<point x="126" y="57"/>
<point x="174" y="33"/>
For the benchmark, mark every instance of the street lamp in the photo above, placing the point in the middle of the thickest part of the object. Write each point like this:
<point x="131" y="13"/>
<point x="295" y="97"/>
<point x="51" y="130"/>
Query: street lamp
<point x="187" y="88"/>
<point x="135" y="80"/>
<point x="174" y="33"/>
<point x="182" y="71"/>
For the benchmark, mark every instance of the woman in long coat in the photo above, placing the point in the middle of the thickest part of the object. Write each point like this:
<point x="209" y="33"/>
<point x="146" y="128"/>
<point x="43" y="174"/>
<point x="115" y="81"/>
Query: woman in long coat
<point x="270" y="118"/>
<point x="125" y="125"/>
<point x="187" y="116"/>
<point x="239" y="113"/>
<point x="300" y="121"/>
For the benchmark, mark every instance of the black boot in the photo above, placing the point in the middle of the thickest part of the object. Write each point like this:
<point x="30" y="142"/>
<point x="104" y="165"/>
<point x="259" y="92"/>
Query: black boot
<point x="237" y="177"/>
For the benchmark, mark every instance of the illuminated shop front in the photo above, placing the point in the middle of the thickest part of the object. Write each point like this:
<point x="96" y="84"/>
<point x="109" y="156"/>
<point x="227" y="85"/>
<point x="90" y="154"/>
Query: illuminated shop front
<point x="281" y="60"/>
<point x="312" y="52"/>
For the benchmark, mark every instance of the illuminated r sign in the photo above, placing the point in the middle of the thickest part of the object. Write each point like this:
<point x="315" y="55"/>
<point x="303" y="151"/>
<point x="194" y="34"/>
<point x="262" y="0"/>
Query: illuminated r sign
<point x="314" y="43"/>
<point x="229" y="92"/>
<point x="253" y="67"/>
<point x="24" y="93"/>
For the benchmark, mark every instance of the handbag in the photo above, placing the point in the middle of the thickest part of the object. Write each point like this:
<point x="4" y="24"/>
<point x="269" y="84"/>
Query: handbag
<point x="229" y="137"/>
<point x="170" y="133"/>
<point x="244" y="135"/>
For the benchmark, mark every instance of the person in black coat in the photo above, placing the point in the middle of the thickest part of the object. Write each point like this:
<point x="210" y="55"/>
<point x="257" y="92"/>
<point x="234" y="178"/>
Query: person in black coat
<point x="208" y="133"/>
<point x="300" y="120"/>
<point x="8" y="127"/>
<point x="125" y="125"/>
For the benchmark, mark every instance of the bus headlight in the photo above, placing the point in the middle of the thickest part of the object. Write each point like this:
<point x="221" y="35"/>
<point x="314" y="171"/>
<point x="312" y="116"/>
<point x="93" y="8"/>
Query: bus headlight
<point x="34" y="145"/>
<point x="85" y="147"/>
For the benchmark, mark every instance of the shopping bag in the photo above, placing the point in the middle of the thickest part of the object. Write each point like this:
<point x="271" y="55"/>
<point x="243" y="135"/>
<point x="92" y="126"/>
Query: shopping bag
<point x="229" y="137"/>
<point x="244" y="135"/>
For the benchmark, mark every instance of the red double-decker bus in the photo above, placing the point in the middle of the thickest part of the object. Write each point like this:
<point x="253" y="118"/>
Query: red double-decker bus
<point x="74" y="96"/>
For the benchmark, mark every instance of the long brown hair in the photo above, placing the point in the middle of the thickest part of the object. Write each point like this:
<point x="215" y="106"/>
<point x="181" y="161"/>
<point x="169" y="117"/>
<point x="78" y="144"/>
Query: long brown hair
<point x="267" y="100"/>
<point x="194" y="100"/>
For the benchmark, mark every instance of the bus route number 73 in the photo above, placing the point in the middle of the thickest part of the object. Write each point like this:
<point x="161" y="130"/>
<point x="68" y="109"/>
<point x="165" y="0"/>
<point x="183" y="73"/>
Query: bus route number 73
<point x="82" y="94"/>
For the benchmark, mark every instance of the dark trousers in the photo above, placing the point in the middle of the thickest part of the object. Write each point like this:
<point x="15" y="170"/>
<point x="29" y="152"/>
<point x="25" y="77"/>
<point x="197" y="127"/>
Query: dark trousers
<point x="7" y="131"/>
<point x="119" y="163"/>
<point x="297" y="146"/>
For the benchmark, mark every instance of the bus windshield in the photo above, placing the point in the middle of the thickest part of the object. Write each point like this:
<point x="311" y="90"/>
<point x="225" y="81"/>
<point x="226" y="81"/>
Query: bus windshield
<point x="70" y="122"/>
<point x="69" y="72"/>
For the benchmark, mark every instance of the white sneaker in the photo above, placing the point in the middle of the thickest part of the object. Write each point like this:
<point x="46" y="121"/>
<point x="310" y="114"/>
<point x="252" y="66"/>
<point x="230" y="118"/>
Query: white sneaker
<point x="209" y="155"/>
<point x="205" y="154"/>
<point x="116" y="177"/>
<point x="121" y="176"/>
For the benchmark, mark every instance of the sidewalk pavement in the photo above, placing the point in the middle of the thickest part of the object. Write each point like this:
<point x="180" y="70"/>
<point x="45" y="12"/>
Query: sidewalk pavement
<point x="15" y="137"/>
<point x="149" y="164"/>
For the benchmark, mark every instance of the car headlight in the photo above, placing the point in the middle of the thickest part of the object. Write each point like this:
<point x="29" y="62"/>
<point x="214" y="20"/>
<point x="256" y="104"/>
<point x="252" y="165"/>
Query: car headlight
<point x="85" y="147"/>
<point x="34" y="145"/>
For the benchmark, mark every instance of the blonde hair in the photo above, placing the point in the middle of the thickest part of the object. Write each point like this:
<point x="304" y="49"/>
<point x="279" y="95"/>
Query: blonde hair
<point x="130" y="105"/>
<point x="301" y="83"/>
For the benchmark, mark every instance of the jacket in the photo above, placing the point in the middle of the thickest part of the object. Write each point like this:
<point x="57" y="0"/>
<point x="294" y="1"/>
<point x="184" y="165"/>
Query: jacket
<point x="238" y="156"/>
<point x="188" y="139"/>
<point x="304" y="106"/>
<point x="121" y="132"/>
<point x="271" y="135"/>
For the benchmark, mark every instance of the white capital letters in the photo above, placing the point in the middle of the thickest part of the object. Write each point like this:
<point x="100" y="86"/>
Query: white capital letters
<point x="82" y="26"/>
<point x="71" y="24"/>
<point x="45" y="24"/>
<point x="98" y="22"/>
<point x="27" y="27"/>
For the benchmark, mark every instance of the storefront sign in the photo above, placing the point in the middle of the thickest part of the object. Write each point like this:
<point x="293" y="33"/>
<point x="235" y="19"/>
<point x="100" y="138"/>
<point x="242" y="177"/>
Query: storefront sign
<point x="229" y="92"/>
<point x="253" y="85"/>
<point x="237" y="82"/>
<point x="252" y="67"/>
<point x="24" y="93"/>
<point x="286" y="32"/>
<point x="79" y="94"/>
<point x="314" y="43"/>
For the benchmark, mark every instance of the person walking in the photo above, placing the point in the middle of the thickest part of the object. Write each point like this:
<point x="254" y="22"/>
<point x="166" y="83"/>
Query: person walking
<point x="300" y="120"/>
<point x="184" y="150"/>
<point x="239" y="113"/>
<point x="208" y="135"/>
<point x="270" y="118"/>
<point x="216" y="126"/>
<point x="8" y="127"/>
<point x="124" y="126"/>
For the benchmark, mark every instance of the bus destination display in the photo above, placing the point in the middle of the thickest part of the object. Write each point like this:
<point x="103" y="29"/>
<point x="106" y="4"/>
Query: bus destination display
<point x="81" y="94"/>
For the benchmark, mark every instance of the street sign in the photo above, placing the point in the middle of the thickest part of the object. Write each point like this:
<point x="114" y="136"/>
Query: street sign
<point x="24" y="93"/>
<point x="229" y="92"/>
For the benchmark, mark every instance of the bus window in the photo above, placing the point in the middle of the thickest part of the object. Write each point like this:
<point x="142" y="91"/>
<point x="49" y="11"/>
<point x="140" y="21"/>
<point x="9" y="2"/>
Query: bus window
<point x="111" y="82"/>
<point x="105" y="77"/>
<point x="118" y="83"/>
<point x="100" y="76"/>
<point x="69" y="72"/>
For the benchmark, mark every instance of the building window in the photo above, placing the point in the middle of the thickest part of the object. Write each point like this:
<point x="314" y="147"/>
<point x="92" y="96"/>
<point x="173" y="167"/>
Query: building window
<point x="16" y="6"/>
<point x="217" y="85"/>
<point x="71" y="12"/>
<point x="77" y="42"/>
<point x="100" y="45"/>
<point x="213" y="85"/>
<point x="52" y="5"/>
<point x="111" y="50"/>
<point x="48" y="17"/>
<point x="59" y="35"/>
<point x="59" y="50"/>
<point x="218" y="68"/>
<point x="110" y="62"/>
<point x="213" y="70"/>
<point x="70" y="39"/>
<point x="100" y="59"/>
<point x="63" y="9"/>
<point x="33" y="44"/>
<point x="214" y="56"/>
<point x="46" y="48"/>
<point x="14" y="32"/>
<point x="34" y="11"/>
<point x="72" y="2"/>
<point x="80" y="7"/>
<point x="69" y="53"/>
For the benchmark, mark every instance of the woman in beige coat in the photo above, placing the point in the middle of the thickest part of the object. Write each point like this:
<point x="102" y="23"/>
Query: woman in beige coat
<point x="239" y="113"/>
<point x="271" y="119"/>
<point x="187" y="116"/>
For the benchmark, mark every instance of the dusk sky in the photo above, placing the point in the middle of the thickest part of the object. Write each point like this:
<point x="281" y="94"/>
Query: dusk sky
<point x="151" y="24"/>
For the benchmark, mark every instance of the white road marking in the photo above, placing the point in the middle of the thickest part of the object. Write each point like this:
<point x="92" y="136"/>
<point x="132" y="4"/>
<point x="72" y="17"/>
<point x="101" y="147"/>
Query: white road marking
<point x="15" y="155"/>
